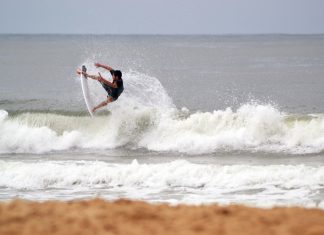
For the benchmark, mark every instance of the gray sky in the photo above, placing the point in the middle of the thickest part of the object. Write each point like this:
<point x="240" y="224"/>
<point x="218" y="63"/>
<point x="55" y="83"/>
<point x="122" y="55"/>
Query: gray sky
<point x="162" y="16"/>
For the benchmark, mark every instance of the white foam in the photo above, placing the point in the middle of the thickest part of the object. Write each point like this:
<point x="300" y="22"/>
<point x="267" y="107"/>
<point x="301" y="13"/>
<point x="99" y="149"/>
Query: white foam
<point x="3" y="115"/>
<point x="251" y="127"/>
<point x="193" y="183"/>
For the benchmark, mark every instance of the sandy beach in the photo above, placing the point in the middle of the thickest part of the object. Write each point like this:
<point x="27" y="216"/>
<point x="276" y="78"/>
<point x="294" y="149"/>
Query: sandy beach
<point x="98" y="216"/>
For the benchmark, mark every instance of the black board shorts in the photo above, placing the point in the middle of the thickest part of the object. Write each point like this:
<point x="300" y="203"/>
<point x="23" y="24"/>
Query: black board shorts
<point x="109" y="91"/>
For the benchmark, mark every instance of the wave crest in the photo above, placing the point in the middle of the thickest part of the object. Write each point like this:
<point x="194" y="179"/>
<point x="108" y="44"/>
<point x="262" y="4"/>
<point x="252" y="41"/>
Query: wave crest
<point x="250" y="128"/>
<point x="145" y="117"/>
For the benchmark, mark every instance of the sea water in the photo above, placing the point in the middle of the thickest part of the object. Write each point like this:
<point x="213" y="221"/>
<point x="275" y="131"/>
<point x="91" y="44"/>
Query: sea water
<point x="203" y="119"/>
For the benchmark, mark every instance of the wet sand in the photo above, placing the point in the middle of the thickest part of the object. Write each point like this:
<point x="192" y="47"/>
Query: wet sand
<point x="133" y="217"/>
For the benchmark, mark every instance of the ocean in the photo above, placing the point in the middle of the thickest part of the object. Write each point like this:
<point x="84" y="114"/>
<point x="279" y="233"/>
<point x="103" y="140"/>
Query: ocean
<point x="203" y="119"/>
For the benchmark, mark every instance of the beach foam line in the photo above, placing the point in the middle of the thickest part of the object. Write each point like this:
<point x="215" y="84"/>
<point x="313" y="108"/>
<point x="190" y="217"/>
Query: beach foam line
<point x="178" y="173"/>
<point x="279" y="184"/>
<point x="135" y="217"/>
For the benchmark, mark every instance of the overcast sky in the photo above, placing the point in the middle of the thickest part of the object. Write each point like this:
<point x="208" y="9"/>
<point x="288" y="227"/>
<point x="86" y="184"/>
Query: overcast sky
<point x="162" y="16"/>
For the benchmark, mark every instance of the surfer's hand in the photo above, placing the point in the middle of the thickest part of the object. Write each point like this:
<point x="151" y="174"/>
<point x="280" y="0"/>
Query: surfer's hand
<point x="97" y="65"/>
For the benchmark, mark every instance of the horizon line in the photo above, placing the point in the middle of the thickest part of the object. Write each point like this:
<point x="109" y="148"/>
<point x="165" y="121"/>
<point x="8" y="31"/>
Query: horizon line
<point x="160" y="34"/>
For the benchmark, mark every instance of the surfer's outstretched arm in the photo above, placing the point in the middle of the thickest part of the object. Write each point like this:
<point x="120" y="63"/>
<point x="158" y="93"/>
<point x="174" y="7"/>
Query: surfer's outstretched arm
<point x="103" y="66"/>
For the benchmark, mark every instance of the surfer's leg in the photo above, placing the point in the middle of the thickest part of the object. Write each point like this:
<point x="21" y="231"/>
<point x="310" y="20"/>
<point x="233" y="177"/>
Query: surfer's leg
<point x="104" y="103"/>
<point x="95" y="77"/>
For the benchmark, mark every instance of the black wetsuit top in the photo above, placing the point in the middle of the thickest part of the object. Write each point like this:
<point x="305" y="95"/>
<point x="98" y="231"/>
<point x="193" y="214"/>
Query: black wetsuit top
<point x="114" y="92"/>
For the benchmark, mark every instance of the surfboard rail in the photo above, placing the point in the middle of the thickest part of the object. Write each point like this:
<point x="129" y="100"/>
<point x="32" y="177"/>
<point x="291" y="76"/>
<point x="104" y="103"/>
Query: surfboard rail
<point x="85" y="91"/>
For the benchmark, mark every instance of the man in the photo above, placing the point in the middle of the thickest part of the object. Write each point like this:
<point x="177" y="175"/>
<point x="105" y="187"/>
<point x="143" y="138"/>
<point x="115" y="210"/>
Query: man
<point x="114" y="89"/>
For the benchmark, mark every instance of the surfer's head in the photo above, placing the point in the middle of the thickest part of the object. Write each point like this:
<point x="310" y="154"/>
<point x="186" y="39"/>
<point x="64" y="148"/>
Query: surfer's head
<point x="117" y="74"/>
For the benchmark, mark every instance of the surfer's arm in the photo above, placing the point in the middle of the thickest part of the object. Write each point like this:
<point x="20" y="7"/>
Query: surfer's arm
<point x="103" y="66"/>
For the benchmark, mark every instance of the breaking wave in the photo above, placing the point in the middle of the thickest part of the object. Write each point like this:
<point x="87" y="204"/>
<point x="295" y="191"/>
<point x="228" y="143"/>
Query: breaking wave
<point x="145" y="117"/>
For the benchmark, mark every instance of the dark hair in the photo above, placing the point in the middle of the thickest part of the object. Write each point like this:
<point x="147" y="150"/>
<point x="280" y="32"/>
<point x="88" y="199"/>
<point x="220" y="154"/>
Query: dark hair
<point x="118" y="73"/>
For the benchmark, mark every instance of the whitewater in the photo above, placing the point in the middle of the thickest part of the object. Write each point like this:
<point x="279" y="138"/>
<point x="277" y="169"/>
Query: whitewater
<point x="178" y="181"/>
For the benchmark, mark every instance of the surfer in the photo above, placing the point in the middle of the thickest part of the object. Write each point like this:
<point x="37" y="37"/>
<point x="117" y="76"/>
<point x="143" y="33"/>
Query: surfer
<point x="114" y="88"/>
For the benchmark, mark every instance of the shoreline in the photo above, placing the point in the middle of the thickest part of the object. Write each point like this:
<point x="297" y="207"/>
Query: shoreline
<point x="98" y="216"/>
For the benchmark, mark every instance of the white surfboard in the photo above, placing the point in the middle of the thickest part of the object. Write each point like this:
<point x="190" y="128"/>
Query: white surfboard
<point x="85" y="91"/>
